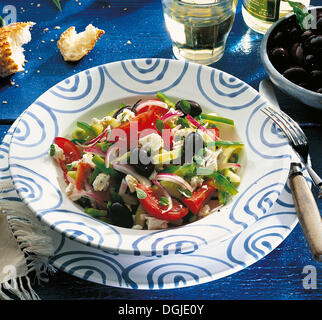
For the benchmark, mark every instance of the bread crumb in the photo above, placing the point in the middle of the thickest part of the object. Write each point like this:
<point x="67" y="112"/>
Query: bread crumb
<point x="57" y="28"/>
<point x="4" y="102"/>
<point x="74" y="46"/>
<point x="12" y="39"/>
<point x="38" y="5"/>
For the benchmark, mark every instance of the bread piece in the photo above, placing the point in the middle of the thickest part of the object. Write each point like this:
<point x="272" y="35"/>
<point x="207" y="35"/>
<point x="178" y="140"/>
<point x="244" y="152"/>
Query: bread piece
<point x="12" y="38"/>
<point x="74" y="46"/>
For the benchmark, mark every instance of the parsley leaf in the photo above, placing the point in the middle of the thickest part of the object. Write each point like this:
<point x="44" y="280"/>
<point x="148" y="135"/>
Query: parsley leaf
<point x="140" y="193"/>
<point x="164" y="201"/>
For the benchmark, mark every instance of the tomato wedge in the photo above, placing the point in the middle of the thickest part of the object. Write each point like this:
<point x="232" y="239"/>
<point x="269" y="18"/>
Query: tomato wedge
<point x="157" y="109"/>
<point x="145" y="120"/>
<point x="71" y="152"/>
<point x="199" y="197"/>
<point x="151" y="205"/>
<point x="82" y="172"/>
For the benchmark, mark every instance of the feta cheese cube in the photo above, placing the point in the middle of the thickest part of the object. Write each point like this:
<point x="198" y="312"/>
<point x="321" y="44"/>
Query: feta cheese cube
<point x="101" y="182"/>
<point x="59" y="153"/>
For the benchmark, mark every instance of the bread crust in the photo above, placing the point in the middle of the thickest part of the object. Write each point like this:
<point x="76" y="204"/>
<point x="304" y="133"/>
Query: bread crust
<point x="76" y="53"/>
<point x="7" y="64"/>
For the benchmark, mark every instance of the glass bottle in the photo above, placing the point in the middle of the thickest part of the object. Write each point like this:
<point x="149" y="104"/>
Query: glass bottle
<point x="259" y="15"/>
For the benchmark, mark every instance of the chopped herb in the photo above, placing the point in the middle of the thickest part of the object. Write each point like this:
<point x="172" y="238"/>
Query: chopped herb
<point x="159" y="125"/>
<point x="185" y="106"/>
<point x="164" y="201"/>
<point x="52" y="150"/>
<point x="140" y="193"/>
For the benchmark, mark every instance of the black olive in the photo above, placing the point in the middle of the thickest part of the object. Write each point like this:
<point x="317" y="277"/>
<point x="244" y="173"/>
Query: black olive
<point x="119" y="111"/>
<point x="311" y="61"/>
<point x="195" y="108"/>
<point x="296" y="74"/>
<point x="120" y="215"/>
<point x="279" y="37"/>
<point x="193" y="143"/>
<point x="141" y="161"/>
<point x="297" y="53"/>
<point x="316" y="76"/>
<point x="279" y="57"/>
<point x="316" y="41"/>
<point x="319" y="24"/>
<point x="306" y="34"/>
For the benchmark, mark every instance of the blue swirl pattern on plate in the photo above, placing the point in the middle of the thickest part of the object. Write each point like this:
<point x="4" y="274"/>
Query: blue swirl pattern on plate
<point x="39" y="183"/>
<point x="207" y="263"/>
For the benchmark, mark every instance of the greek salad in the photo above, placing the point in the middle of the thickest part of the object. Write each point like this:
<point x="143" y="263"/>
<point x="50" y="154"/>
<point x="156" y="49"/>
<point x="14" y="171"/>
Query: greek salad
<point x="152" y="165"/>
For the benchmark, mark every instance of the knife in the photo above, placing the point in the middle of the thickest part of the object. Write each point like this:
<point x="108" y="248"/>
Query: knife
<point x="306" y="208"/>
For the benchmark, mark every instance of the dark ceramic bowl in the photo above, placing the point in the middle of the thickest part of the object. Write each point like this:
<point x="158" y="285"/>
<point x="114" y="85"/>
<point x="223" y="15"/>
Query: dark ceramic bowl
<point x="306" y="96"/>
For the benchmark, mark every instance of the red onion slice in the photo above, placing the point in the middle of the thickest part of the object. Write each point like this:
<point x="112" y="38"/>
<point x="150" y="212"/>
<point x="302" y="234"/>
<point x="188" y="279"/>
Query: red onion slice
<point x="151" y="103"/>
<point x="199" y="126"/>
<point x="175" y="179"/>
<point x="127" y="169"/>
<point x="229" y="165"/>
<point x="94" y="150"/>
<point x="171" y="114"/>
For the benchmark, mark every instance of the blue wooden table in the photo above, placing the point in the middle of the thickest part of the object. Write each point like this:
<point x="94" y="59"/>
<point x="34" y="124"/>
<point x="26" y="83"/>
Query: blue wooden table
<point x="135" y="29"/>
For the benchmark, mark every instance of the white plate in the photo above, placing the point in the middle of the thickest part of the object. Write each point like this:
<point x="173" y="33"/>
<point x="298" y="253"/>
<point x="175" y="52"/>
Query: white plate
<point x="96" y="91"/>
<point x="205" y="264"/>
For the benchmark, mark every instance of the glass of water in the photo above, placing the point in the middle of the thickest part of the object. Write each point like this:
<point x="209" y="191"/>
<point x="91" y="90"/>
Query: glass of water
<point x="199" y="28"/>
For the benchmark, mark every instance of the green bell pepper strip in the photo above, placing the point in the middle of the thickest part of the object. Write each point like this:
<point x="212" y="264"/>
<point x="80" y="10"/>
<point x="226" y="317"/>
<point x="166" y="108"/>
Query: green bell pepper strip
<point x="100" y="163"/>
<point x="217" y="119"/>
<point x="187" y="170"/>
<point x="95" y="213"/>
<point x="222" y="143"/>
<point x="165" y="99"/>
<point x="87" y="128"/>
<point x="220" y="182"/>
<point x="95" y="173"/>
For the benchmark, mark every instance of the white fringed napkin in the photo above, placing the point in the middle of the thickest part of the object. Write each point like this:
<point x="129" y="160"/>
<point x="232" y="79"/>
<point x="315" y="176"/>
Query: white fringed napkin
<point x="25" y="247"/>
<point x="25" y="242"/>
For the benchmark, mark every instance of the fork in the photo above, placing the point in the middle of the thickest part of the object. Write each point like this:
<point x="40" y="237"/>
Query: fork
<point x="297" y="139"/>
<point x="306" y="207"/>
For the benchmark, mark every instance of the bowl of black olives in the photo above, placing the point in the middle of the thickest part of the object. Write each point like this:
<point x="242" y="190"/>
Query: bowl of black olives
<point x="292" y="57"/>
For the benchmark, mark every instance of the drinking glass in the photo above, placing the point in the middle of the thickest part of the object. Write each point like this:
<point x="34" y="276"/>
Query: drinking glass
<point x="199" y="29"/>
